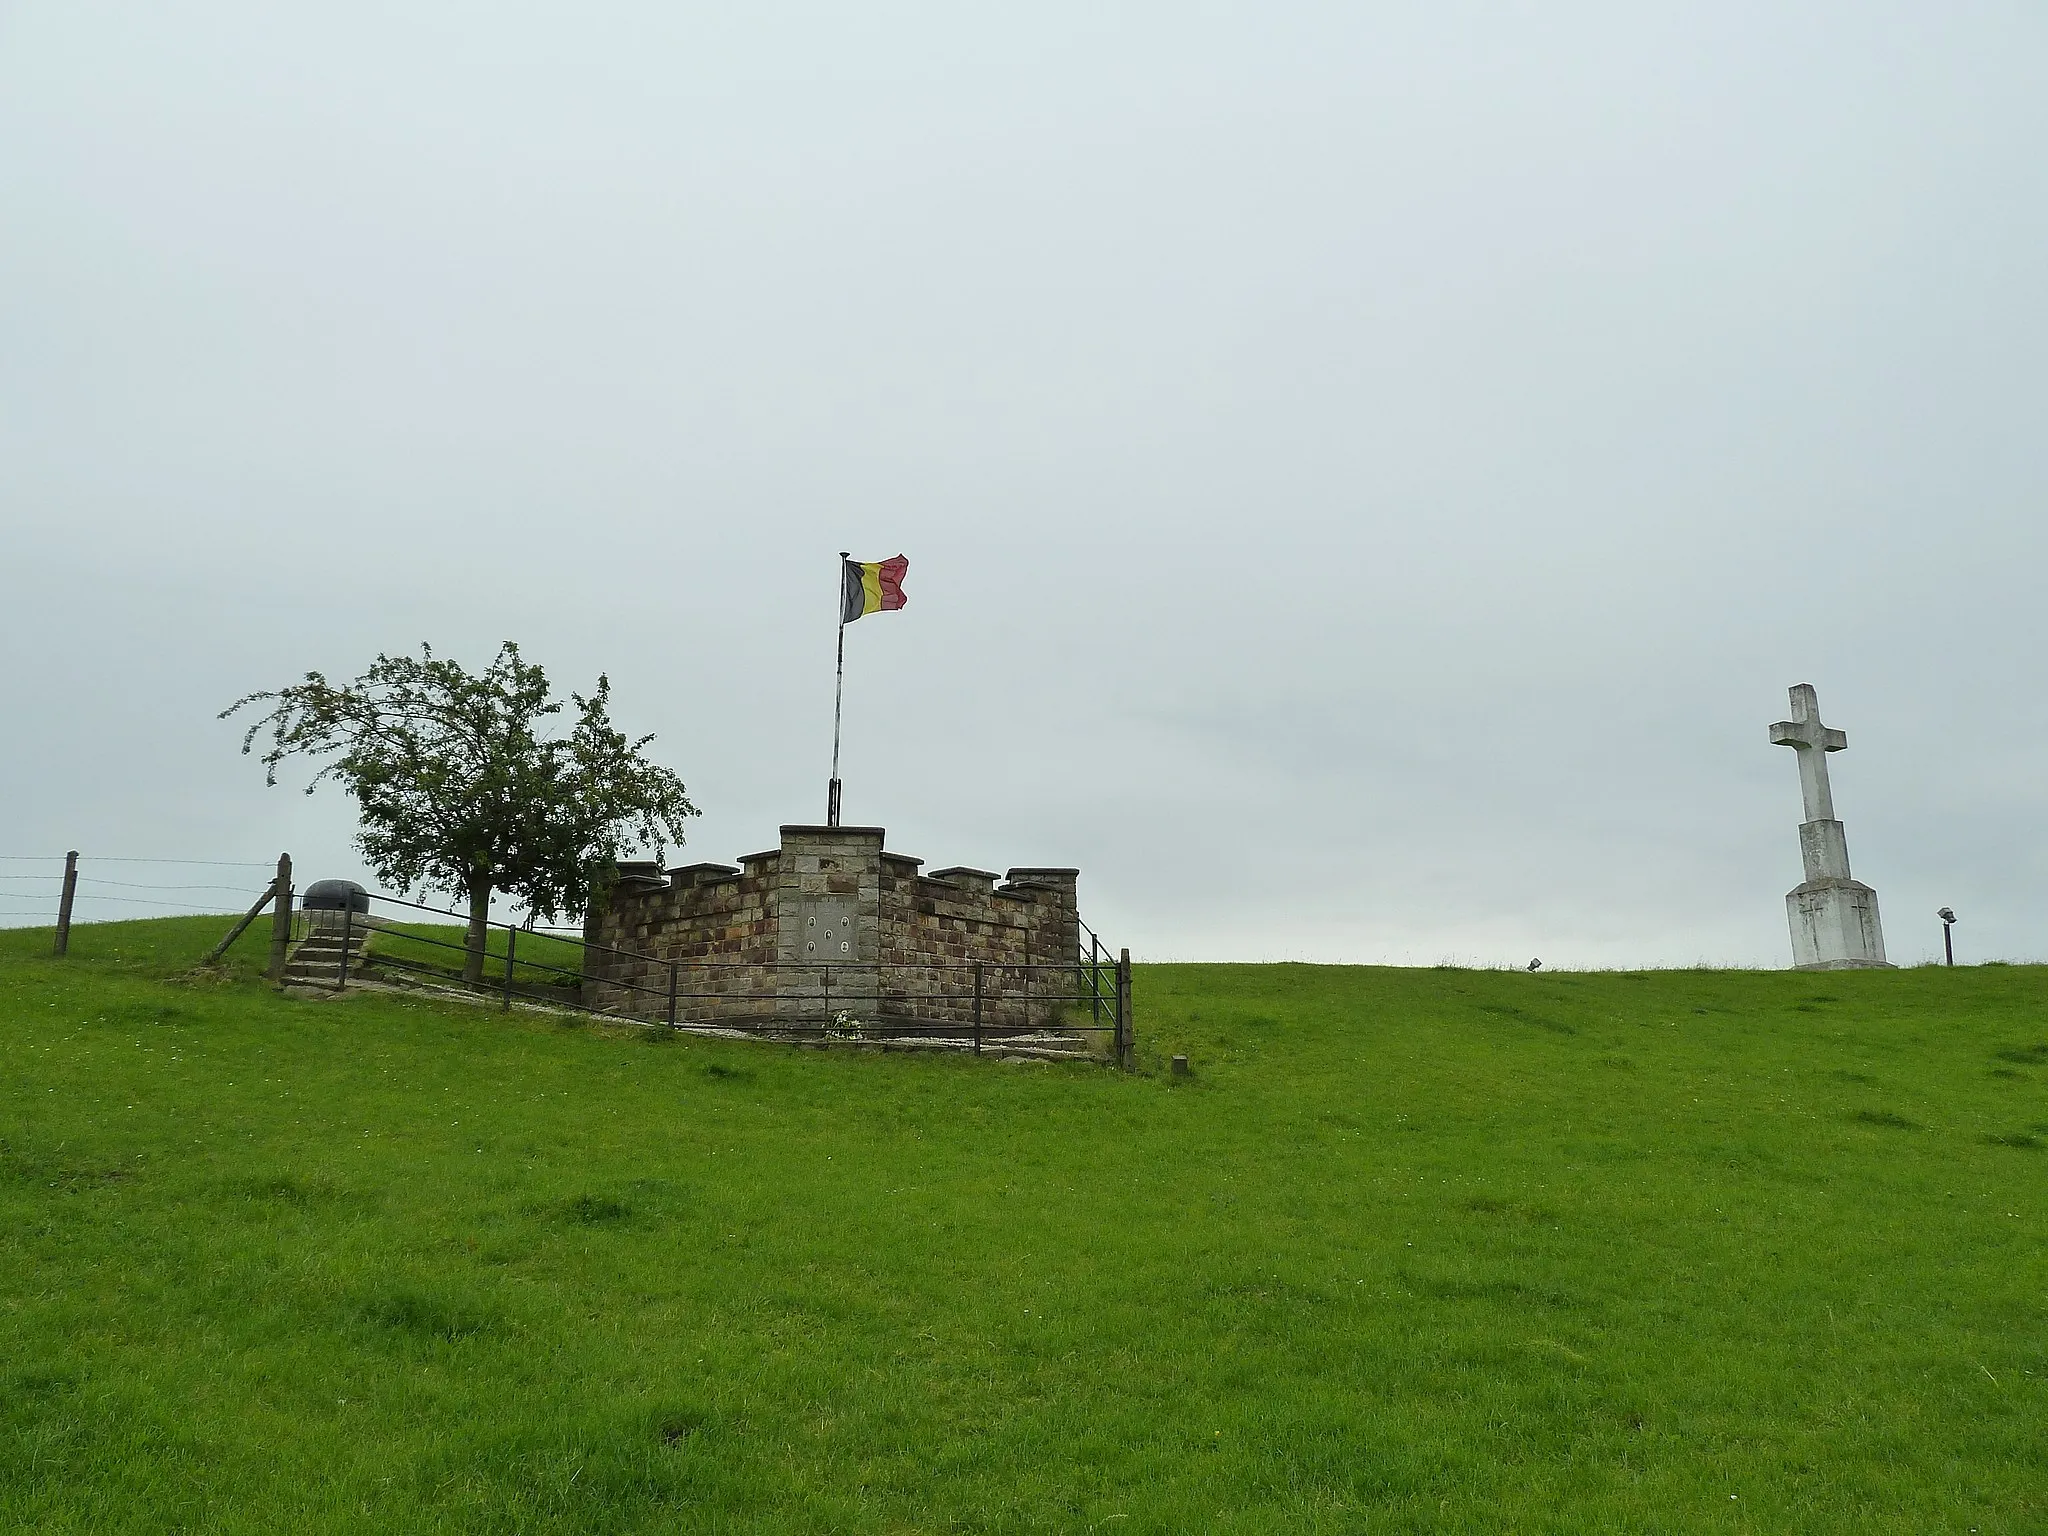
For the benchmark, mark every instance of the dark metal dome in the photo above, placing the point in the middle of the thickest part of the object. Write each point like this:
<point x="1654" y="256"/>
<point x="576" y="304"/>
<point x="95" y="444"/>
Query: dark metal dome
<point x="335" y="896"/>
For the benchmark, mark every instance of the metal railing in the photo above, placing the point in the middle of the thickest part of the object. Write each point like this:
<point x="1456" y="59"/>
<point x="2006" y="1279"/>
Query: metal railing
<point x="1081" y="1002"/>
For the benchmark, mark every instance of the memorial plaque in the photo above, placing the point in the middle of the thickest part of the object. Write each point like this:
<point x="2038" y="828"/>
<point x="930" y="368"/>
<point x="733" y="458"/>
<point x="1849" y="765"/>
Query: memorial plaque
<point x="825" y="930"/>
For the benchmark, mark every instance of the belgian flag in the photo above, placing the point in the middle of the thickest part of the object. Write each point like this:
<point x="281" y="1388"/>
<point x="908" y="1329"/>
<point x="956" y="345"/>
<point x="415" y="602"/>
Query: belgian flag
<point x="874" y="586"/>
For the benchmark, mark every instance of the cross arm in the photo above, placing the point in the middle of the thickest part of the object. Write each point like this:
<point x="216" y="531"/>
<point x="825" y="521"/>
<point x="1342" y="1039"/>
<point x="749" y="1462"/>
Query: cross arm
<point x="1805" y="733"/>
<point x="1791" y="733"/>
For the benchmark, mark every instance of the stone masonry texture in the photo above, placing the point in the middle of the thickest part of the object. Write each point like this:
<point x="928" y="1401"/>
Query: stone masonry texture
<point x="831" y="932"/>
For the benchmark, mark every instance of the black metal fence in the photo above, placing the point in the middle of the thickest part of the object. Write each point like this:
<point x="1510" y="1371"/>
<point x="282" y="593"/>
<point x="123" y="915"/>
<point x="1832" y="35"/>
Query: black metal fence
<point x="1076" y="1006"/>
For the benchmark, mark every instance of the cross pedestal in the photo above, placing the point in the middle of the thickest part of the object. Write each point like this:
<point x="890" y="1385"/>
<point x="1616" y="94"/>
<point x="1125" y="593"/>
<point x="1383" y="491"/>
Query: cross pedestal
<point x="1833" y="915"/>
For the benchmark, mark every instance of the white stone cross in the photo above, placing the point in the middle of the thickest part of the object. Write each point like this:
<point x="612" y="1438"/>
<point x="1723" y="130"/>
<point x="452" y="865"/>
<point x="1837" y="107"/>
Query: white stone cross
<point x="1833" y="914"/>
<point x="1813" y="741"/>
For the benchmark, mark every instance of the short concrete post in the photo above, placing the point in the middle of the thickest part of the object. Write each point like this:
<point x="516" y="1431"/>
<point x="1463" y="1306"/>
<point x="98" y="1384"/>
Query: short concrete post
<point x="64" y="902"/>
<point x="1180" y="1067"/>
<point x="1126" y="1033"/>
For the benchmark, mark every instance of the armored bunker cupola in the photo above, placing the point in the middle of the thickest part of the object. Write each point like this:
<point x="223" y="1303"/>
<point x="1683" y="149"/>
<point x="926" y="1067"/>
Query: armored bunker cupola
<point x="335" y="896"/>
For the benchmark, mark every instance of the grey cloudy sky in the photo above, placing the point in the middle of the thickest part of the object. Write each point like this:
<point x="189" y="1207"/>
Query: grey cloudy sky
<point x="1369" y="472"/>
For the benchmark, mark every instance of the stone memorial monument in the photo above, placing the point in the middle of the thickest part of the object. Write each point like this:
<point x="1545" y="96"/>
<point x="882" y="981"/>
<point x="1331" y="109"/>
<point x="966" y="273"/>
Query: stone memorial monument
<point x="830" y="922"/>
<point x="1834" y="917"/>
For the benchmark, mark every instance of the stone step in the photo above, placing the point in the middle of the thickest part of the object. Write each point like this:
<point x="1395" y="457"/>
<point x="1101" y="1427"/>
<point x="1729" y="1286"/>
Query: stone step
<point x="316" y="959"/>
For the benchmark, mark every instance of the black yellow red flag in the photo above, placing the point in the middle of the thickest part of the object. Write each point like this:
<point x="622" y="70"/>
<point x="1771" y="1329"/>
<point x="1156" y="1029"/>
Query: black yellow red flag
<point x="871" y="586"/>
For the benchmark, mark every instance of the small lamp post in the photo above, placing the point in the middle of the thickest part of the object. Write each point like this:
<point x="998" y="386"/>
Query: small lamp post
<point x="1948" y="928"/>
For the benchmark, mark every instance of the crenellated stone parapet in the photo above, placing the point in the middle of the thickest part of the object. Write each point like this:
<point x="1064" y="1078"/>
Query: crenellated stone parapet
<point x="832" y="929"/>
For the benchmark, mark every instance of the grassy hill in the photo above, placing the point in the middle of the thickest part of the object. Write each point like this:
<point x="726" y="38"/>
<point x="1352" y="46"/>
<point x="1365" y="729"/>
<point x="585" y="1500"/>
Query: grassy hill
<point x="1413" y="1251"/>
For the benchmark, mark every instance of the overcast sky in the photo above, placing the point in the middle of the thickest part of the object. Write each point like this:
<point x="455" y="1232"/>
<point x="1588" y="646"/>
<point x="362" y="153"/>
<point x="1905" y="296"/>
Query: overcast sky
<point x="1369" y="473"/>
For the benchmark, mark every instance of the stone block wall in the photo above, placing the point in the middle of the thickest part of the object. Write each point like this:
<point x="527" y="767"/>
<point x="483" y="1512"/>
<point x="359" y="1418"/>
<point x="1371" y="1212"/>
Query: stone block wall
<point x="938" y="927"/>
<point x="828" y="934"/>
<point x="716" y="924"/>
<point x="830" y="929"/>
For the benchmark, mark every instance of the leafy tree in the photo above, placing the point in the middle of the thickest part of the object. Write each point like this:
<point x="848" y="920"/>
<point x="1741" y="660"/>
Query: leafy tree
<point x="459" y="790"/>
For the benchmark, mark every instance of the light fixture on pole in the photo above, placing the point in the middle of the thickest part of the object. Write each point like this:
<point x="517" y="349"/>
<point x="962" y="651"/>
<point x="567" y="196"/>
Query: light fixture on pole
<point x="1948" y="928"/>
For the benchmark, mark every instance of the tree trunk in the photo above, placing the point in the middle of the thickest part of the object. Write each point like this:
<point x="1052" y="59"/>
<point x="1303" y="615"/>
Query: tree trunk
<point x="479" y="931"/>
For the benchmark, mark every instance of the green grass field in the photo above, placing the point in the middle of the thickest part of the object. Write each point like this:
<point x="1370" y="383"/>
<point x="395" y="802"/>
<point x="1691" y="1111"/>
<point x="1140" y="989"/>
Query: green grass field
<point x="1413" y="1251"/>
<point x="541" y="962"/>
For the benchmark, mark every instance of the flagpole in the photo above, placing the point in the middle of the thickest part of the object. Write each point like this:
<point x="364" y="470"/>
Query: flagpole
<point x="838" y="695"/>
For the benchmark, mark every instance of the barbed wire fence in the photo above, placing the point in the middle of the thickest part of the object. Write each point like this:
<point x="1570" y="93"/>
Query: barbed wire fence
<point x="32" y="898"/>
<point x="25" y="895"/>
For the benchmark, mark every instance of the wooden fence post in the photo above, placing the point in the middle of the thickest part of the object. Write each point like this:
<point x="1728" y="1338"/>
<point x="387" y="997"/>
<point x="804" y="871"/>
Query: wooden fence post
<point x="235" y="932"/>
<point x="281" y="921"/>
<point x="64" y="902"/>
